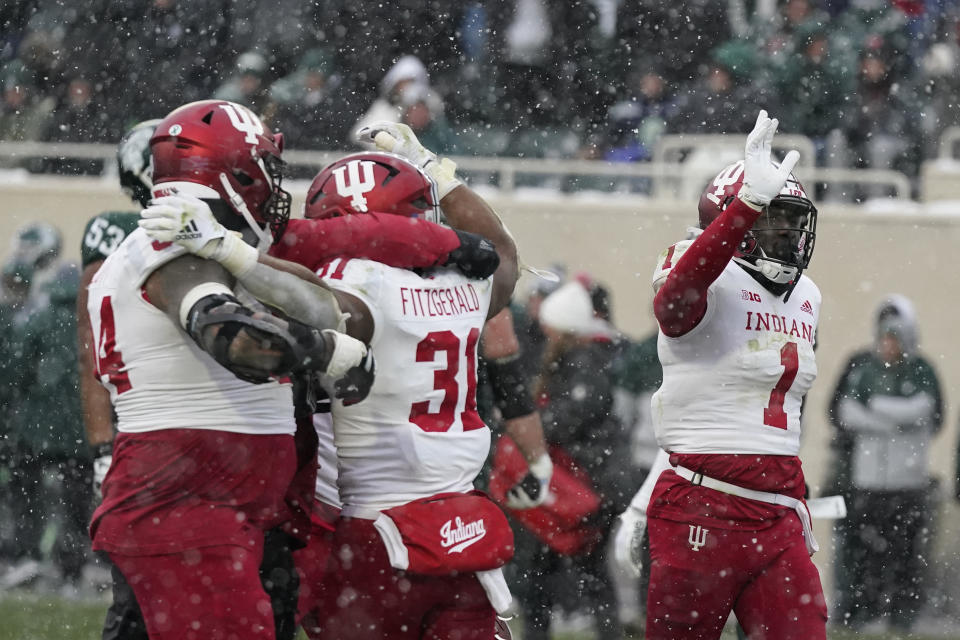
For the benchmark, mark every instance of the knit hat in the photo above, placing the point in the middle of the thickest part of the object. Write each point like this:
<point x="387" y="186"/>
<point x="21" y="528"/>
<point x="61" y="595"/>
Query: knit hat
<point x="570" y="309"/>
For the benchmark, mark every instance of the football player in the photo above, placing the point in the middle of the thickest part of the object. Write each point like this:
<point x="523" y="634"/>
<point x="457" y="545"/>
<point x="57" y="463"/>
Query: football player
<point x="412" y="244"/>
<point x="407" y="456"/>
<point x="102" y="235"/>
<point x="728" y="526"/>
<point x="192" y="487"/>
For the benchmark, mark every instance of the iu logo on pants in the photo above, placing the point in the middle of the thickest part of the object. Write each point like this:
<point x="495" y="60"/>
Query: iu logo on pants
<point x="697" y="537"/>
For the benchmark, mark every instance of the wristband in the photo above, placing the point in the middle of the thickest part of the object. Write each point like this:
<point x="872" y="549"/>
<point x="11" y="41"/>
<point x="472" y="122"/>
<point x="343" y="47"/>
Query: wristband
<point x="196" y="294"/>
<point x="235" y="255"/>
<point x="444" y="174"/>
<point x="542" y="467"/>
<point x="347" y="353"/>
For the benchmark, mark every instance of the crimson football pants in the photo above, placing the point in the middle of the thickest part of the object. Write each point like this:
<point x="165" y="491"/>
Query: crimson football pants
<point x="210" y="593"/>
<point x="699" y="574"/>
<point x="365" y="597"/>
<point x="311" y="562"/>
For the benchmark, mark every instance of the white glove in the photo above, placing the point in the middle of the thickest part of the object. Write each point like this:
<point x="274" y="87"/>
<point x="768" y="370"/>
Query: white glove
<point x="534" y="488"/>
<point x="351" y="372"/>
<point x="400" y="139"/>
<point x="101" y="464"/>
<point x="628" y="540"/>
<point x="188" y="221"/>
<point x="762" y="179"/>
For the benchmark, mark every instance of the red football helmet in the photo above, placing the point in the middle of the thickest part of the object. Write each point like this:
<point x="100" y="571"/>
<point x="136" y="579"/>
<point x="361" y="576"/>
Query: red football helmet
<point x="780" y="244"/>
<point x="372" y="182"/>
<point x="226" y="148"/>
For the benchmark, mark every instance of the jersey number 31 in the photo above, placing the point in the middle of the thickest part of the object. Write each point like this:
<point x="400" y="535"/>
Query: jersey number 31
<point x="448" y="380"/>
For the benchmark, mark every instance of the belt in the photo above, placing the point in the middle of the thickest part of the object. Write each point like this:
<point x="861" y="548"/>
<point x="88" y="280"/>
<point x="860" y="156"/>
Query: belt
<point x="354" y="511"/>
<point x="699" y="479"/>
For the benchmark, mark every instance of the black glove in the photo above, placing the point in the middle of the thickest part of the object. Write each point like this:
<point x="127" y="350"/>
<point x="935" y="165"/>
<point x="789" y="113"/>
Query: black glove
<point x="355" y="384"/>
<point x="533" y="488"/>
<point x="476" y="257"/>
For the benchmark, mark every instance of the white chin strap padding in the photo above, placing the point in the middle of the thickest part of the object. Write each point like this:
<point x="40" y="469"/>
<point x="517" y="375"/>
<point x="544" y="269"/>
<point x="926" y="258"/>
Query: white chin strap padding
<point x="264" y="239"/>
<point x="772" y="271"/>
<point x="776" y="272"/>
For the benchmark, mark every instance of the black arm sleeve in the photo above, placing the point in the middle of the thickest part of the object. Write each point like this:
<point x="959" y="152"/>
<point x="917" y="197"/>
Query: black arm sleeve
<point x="511" y="391"/>
<point x="302" y="348"/>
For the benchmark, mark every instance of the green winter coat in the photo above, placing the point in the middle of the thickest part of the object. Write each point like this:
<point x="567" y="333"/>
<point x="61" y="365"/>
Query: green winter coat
<point x="47" y="418"/>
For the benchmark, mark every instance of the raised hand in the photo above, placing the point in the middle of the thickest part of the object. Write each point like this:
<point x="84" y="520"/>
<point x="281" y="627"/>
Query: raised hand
<point x="398" y="138"/>
<point x="762" y="178"/>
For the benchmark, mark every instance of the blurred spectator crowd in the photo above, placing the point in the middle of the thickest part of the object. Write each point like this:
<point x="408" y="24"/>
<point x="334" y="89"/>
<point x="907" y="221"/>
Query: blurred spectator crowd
<point x="872" y="82"/>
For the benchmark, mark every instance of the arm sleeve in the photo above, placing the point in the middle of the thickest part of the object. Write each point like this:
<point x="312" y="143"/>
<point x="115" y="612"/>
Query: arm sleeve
<point x="682" y="300"/>
<point x="642" y="499"/>
<point x="297" y="298"/>
<point x="396" y="241"/>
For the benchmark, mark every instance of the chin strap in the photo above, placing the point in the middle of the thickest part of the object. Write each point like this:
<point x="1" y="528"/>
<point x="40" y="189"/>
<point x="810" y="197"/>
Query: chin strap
<point x="772" y="271"/>
<point x="264" y="238"/>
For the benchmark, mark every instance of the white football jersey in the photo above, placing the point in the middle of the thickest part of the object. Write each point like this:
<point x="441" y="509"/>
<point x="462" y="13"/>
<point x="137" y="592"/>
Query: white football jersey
<point x="157" y="375"/>
<point x="418" y="432"/>
<point x="735" y="383"/>
<point x="327" y="490"/>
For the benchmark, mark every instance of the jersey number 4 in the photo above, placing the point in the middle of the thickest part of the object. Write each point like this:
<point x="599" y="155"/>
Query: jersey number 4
<point x="774" y="415"/>
<point x="449" y="380"/>
<point x="109" y="359"/>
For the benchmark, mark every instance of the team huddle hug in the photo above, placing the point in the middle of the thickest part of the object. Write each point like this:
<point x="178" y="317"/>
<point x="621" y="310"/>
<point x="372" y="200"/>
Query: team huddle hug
<point x="297" y="431"/>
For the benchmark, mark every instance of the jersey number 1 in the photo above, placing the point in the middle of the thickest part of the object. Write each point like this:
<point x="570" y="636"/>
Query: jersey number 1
<point x="446" y="380"/>
<point x="774" y="415"/>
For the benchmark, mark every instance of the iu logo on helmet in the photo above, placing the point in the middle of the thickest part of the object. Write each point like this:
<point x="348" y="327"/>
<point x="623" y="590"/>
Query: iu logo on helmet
<point x="724" y="179"/>
<point x="350" y="182"/>
<point x="244" y="121"/>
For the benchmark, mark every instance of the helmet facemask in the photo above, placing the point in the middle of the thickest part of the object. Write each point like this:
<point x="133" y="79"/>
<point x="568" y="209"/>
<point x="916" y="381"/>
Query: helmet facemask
<point x="780" y="244"/>
<point x="276" y="210"/>
<point x="274" y="213"/>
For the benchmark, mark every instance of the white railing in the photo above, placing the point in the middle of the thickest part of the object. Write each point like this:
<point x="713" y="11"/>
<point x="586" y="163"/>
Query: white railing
<point x="671" y="147"/>
<point x="665" y="177"/>
<point x="948" y="142"/>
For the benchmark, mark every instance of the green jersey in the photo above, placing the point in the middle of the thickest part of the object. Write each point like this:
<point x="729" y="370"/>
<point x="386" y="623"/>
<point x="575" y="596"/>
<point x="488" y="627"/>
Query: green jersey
<point x="104" y="233"/>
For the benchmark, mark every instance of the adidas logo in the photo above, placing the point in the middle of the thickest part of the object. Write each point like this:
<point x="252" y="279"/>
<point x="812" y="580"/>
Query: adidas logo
<point x="461" y="535"/>
<point x="806" y="306"/>
<point x="190" y="231"/>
